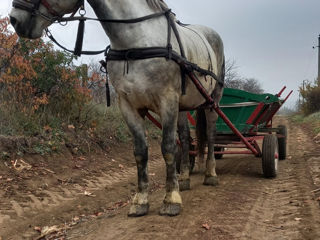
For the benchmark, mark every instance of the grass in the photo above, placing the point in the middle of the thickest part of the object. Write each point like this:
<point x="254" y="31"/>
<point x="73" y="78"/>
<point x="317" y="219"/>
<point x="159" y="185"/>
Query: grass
<point x="312" y="120"/>
<point x="93" y="124"/>
<point x="114" y="122"/>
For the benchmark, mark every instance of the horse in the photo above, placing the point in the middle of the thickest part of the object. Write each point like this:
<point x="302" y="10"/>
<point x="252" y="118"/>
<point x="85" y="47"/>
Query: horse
<point x="155" y="84"/>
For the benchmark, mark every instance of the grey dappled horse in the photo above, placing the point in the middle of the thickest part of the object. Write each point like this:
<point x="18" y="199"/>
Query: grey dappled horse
<point x="150" y="84"/>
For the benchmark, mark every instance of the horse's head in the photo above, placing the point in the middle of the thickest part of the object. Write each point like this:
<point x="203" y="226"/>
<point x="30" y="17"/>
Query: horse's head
<point x="31" y="17"/>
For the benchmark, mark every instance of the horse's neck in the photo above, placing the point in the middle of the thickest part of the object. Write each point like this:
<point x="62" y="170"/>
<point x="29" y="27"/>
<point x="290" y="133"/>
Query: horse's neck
<point x="123" y="36"/>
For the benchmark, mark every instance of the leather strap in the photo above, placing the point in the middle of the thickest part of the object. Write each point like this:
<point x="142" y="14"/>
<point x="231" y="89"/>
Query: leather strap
<point x="158" y="52"/>
<point x="49" y="35"/>
<point x="49" y="8"/>
<point x="105" y="20"/>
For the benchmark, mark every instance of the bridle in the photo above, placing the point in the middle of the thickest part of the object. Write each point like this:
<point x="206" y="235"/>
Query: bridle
<point x="33" y="6"/>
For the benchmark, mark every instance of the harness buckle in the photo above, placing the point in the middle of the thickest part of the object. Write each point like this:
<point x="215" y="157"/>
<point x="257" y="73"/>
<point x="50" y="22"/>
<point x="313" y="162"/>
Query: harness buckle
<point x="82" y="11"/>
<point x="132" y="55"/>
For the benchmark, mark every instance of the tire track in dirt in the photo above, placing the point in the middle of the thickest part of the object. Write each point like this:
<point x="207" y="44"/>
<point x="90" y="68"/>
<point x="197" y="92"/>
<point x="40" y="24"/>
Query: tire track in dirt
<point x="31" y="204"/>
<point x="244" y="206"/>
<point x="200" y="205"/>
<point x="230" y="185"/>
<point x="287" y="210"/>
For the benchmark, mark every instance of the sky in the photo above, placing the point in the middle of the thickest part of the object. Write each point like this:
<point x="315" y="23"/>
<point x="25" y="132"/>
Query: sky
<point x="270" y="40"/>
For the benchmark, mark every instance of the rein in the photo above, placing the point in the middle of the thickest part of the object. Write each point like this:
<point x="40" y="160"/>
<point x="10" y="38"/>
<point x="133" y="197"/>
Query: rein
<point x="78" y="46"/>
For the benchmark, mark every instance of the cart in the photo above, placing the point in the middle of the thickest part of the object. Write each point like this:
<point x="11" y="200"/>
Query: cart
<point x="244" y="119"/>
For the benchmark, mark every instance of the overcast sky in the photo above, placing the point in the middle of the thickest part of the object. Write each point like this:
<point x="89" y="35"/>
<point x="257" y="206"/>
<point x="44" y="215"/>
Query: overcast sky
<point x="270" y="40"/>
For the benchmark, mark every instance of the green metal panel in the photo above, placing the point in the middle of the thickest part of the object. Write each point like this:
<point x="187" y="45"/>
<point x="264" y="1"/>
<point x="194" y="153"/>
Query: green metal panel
<point x="231" y="95"/>
<point x="238" y="105"/>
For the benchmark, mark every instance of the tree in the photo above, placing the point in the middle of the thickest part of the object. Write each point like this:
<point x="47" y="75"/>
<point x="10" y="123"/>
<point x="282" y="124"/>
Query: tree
<point x="234" y="80"/>
<point x="251" y="85"/>
<point x="232" y="77"/>
<point x="311" y="95"/>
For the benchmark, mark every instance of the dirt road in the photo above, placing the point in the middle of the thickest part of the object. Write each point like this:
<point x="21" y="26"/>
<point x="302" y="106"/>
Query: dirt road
<point x="88" y="199"/>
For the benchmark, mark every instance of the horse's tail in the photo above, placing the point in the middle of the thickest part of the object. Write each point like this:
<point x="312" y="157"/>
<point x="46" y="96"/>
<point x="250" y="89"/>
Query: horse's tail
<point x="201" y="131"/>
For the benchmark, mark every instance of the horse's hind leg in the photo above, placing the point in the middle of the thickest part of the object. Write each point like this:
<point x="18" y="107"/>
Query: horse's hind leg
<point x="135" y="121"/>
<point x="172" y="201"/>
<point x="184" y="136"/>
<point x="211" y="177"/>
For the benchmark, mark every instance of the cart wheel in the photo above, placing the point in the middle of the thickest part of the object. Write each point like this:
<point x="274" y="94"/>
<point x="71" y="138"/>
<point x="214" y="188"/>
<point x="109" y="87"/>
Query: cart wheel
<point x="220" y="155"/>
<point x="282" y="141"/>
<point x="270" y="156"/>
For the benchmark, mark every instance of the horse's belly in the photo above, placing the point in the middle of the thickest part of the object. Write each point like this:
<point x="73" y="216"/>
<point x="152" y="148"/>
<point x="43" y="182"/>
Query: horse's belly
<point x="147" y="82"/>
<point x="150" y="82"/>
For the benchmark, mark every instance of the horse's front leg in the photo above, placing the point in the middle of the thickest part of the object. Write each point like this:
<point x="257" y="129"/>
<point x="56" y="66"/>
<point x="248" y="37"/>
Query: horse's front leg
<point x="211" y="177"/>
<point x="184" y="136"/>
<point x="135" y="122"/>
<point x="172" y="201"/>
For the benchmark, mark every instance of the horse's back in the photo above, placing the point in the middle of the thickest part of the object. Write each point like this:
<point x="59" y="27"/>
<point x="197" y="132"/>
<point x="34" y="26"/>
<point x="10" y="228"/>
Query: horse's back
<point x="214" y="40"/>
<point x="201" y="40"/>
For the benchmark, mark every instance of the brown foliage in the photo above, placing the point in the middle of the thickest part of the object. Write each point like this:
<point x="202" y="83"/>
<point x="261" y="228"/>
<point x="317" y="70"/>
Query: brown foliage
<point x="38" y="84"/>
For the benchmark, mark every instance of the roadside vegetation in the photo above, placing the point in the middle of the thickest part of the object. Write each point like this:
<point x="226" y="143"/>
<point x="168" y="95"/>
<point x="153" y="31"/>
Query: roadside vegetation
<point x="311" y="97"/>
<point x="309" y="107"/>
<point x="48" y="103"/>
<point x="312" y="120"/>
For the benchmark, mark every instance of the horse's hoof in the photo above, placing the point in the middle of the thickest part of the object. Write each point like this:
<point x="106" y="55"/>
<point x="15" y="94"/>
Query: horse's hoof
<point x="138" y="210"/>
<point x="211" y="181"/>
<point x="184" y="185"/>
<point x="170" y="209"/>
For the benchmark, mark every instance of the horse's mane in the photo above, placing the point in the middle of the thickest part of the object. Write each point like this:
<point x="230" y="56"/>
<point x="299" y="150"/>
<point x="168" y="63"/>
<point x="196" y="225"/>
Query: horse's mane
<point x="158" y="4"/>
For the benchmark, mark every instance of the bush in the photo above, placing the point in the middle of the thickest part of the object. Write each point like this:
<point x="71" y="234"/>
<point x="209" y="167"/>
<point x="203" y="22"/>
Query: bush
<point x="41" y="90"/>
<point x="39" y="86"/>
<point x="311" y="96"/>
<point x="44" y="95"/>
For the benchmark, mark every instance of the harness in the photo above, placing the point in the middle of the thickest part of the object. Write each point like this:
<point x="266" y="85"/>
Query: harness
<point x="187" y="67"/>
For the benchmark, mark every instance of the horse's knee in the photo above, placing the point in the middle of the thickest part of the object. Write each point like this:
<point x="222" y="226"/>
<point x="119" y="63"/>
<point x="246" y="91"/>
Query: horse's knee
<point x="168" y="145"/>
<point x="169" y="158"/>
<point x="141" y="156"/>
<point x="168" y="148"/>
